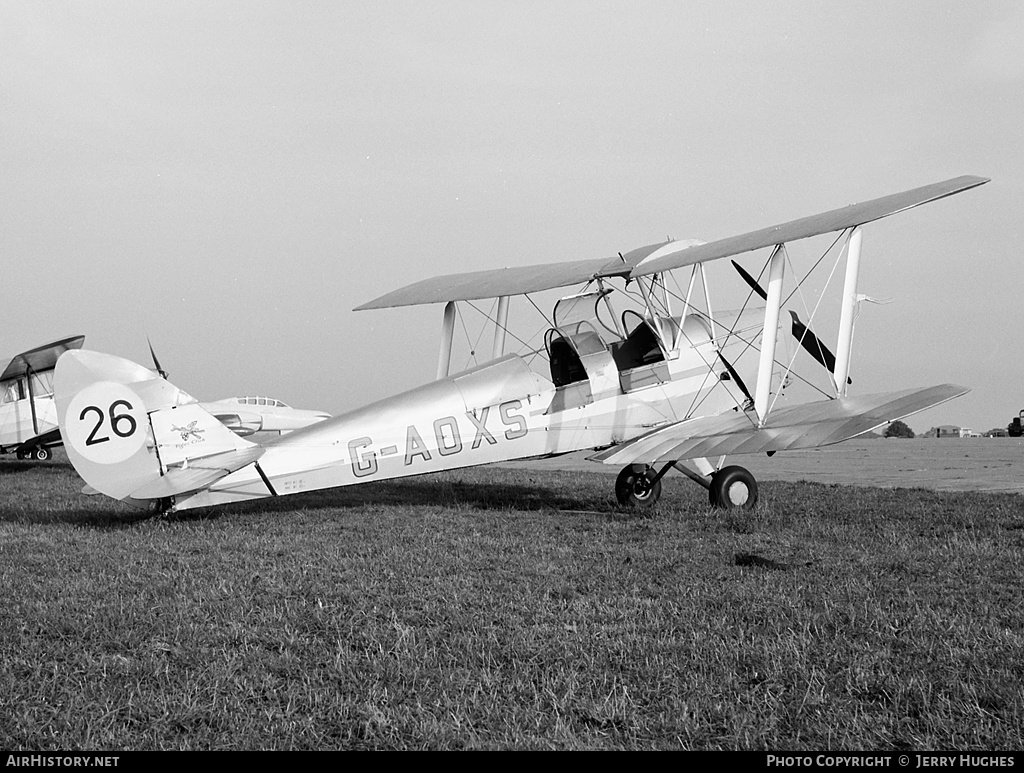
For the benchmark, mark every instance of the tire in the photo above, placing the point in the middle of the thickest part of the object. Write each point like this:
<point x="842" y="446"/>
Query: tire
<point x="42" y="454"/>
<point x="637" y="487"/>
<point x="733" y="487"/>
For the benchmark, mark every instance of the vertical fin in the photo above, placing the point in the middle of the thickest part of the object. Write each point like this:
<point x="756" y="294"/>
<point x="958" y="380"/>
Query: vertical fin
<point x="124" y="427"/>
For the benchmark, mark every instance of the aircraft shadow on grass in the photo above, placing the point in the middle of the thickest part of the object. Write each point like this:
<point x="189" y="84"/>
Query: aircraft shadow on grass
<point x="9" y="468"/>
<point x="526" y="494"/>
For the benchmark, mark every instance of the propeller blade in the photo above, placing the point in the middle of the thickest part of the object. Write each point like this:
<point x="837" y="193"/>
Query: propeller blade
<point x="156" y="362"/>
<point x="736" y="377"/>
<point x="813" y="345"/>
<point x="810" y="342"/>
<point x="750" y="281"/>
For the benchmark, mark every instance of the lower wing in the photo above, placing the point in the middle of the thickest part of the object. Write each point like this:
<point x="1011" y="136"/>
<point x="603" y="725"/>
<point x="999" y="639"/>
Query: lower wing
<point x="802" y="426"/>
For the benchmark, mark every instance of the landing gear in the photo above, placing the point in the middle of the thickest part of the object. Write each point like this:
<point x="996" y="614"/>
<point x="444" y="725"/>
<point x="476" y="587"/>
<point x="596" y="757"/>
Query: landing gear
<point x="638" y="486"/>
<point x="162" y="507"/>
<point x="732" y="487"/>
<point x="42" y="454"/>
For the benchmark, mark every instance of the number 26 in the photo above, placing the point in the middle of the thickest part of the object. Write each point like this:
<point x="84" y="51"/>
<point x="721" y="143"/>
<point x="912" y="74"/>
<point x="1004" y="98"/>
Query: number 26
<point x="122" y="424"/>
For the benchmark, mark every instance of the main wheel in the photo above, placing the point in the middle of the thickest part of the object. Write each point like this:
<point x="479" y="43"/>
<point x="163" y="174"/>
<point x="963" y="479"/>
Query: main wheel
<point x="636" y="486"/>
<point x="733" y="487"/>
<point x="42" y="454"/>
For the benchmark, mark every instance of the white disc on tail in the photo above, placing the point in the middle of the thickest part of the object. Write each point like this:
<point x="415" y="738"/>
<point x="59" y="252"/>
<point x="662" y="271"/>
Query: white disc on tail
<point x="106" y="423"/>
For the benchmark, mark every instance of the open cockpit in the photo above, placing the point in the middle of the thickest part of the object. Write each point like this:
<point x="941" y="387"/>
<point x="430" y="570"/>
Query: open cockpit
<point x="593" y="353"/>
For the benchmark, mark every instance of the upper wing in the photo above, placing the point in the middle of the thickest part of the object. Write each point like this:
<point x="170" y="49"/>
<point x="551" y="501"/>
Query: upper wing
<point x="826" y="222"/>
<point x="656" y="258"/>
<point x="801" y="426"/>
<point x="520" y="279"/>
<point x="490" y="284"/>
<point x="41" y="358"/>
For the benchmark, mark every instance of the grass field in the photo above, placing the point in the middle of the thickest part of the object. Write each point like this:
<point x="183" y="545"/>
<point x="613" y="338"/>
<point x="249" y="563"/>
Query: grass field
<point x="509" y="608"/>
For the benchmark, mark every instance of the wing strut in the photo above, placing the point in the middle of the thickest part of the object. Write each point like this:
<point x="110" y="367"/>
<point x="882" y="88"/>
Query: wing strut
<point x="770" y="333"/>
<point x="32" y="399"/>
<point x="499" y="327"/>
<point x="651" y="313"/>
<point x="844" y="347"/>
<point x="444" y="357"/>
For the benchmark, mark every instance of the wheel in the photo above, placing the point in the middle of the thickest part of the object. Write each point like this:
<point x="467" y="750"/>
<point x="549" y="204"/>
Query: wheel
<point x="636" y="486"/>
<point x="42" y="454"/>
<point x="733" y="487"/>
<point x="22" y="454"/>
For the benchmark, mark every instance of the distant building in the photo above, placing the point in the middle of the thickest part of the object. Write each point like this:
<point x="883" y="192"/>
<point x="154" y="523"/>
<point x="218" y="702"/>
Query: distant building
<point x="997" y="432"/>
<point x="943" y="431"/>
<point x="968" y="432"/>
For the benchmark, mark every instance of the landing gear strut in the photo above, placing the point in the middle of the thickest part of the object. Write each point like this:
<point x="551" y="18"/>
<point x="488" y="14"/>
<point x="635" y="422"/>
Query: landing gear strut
<point x="732" y="487"/>
<point x="638" y="486"/>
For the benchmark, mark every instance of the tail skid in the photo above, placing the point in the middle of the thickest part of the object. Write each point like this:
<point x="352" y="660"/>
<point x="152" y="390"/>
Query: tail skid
<point x="134" y="436"/>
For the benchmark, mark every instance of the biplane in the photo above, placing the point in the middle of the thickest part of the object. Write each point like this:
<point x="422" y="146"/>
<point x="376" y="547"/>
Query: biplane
<point x="28" y="414"/>
<point x="670" y="383"/>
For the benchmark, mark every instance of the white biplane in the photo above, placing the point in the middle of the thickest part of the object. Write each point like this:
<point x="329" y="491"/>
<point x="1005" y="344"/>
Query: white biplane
<point x="28" y="414"/>
<point x="650" y="389"/>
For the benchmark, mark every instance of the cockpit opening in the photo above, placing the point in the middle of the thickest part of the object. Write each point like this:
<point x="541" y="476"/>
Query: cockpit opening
<point x="641" y="346"/>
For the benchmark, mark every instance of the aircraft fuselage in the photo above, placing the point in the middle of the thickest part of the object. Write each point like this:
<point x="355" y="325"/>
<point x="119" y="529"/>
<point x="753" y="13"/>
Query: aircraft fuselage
<point x="501" y="411"/>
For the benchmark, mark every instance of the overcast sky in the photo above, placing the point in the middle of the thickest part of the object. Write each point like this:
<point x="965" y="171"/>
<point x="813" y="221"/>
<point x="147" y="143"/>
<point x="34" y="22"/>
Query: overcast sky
<point x="230" y="179"/>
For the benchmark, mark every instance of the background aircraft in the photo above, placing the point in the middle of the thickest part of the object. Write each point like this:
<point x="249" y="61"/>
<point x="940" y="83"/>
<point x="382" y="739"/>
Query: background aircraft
<point x="261" y="416"/>
<point x="657" y="389"/>
<point x="247" y="416"/>
<point x="28" y="415"/>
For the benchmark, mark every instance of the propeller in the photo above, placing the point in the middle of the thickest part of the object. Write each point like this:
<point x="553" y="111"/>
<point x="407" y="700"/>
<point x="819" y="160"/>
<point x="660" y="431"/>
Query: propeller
<point x="750" y="281"/>
<point x="739" y="381"/>
<point x="156" y="362"/>
<point x="803" y="334"/>
<point x="813" y="345"/>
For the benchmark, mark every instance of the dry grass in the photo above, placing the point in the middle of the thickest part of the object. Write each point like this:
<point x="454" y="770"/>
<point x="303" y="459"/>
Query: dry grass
<point x="512" y="609"/>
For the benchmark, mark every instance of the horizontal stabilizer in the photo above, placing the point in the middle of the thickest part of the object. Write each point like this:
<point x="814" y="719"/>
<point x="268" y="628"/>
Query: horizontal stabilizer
<point x="187" y="433"/>
<point x="801" y="426"/>
<point x="202" y="473"/>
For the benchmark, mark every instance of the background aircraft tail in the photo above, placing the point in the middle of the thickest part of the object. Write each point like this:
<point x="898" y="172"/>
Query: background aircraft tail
<point x="134" y="436"/>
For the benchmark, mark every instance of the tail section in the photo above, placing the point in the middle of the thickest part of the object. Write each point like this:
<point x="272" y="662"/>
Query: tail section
<point x="134" y="436"/>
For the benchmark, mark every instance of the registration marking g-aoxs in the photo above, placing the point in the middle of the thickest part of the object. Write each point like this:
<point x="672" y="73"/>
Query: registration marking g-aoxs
<point x="447" y="435"/>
